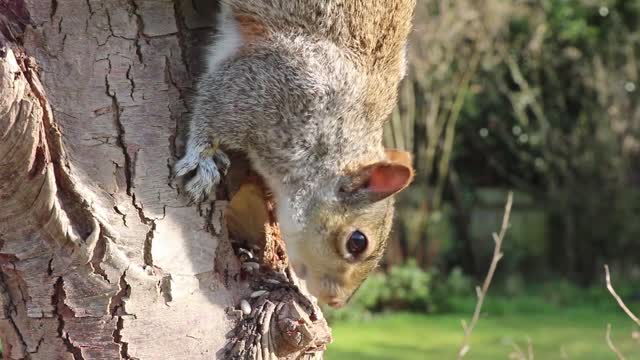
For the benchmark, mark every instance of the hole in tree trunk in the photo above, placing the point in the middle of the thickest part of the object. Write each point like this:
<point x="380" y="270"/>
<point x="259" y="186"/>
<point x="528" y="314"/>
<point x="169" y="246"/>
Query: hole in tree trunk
<point x="250" y="216"/>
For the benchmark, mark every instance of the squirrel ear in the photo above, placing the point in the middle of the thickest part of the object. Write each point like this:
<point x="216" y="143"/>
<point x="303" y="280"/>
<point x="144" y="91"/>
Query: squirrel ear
<point x="399" y="157"/>
<point x="388" y="179"/>
<point x="380" y="180"/>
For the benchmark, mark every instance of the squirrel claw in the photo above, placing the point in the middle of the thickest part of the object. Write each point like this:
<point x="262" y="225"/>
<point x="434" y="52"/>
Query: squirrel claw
<point x="203" y="182"/>
<point x="209" y="168"/>
<point x="222" y="161"/>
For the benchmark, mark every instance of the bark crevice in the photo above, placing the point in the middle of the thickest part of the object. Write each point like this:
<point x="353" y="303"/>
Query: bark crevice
<point x="140" y="27"/>
<point x="9" y="310"/>
<point x="117" y="338"/>
<point x="115" y="106"/>
<point x="61" y="310"/>
<point x="97" y="257"/>
<point x="100" y="256"/>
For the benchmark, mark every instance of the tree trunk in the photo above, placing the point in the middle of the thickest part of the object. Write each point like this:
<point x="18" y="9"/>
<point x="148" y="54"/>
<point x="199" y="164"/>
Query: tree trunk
<point x="100" y="258"/>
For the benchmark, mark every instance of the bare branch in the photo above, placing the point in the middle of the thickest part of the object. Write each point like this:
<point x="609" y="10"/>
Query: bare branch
<point x="497" y="255"/>
<point x="517" y="353"/>
<point x="611" y="345"/>
<point x="617" y="297"/>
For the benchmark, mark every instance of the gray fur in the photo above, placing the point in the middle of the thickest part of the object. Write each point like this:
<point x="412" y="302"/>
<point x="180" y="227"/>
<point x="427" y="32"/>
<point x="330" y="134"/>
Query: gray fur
<point x="307" y="101"/>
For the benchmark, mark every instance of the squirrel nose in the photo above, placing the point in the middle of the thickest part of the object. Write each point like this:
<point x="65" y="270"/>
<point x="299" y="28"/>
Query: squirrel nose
<point x="336" y="304"/>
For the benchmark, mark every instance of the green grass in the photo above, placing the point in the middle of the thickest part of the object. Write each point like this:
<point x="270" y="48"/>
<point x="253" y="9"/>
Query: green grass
<point x="579" y="332"/>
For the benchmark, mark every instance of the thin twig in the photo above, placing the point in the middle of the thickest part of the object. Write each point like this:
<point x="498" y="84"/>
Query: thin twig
<point x="497" y="255"/>
<point x="518" y="354"/>
<point x="617" y="297"/>
<point x="610" y="343"/>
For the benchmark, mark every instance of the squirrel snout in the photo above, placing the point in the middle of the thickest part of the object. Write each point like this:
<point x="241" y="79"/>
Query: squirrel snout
<point x="315" y="288"/>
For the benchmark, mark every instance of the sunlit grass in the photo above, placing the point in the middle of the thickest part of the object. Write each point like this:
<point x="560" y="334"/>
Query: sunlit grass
<point x="579" y="333"/>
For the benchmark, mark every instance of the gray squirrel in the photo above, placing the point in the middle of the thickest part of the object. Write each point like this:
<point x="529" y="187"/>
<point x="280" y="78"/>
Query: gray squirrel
<point x="304" y="88"/>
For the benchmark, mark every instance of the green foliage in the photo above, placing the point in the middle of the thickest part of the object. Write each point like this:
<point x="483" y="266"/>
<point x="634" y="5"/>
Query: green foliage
<point x="405" y="288"/>
<point x="552" y="116"/>
<point x="543" y="98"/>
<point x="573" y="21"/>
<point x="458" y="284"/>
<point x="409" y="288"/>
<point x="448" y="288"/>
<point x="514" y="297"/>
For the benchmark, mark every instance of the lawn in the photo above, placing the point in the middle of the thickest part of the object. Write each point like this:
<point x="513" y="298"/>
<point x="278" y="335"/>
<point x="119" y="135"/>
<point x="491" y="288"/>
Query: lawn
<point x="579" y="333"/>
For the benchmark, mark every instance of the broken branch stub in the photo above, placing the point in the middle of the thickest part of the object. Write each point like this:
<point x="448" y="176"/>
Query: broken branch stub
<point x="277" y="321"/>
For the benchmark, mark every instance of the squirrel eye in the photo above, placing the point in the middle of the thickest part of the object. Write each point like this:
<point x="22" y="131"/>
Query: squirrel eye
<point x="357" y="243"/>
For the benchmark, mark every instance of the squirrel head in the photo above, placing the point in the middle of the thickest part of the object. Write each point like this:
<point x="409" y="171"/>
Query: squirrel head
<point x="345" y="232"/>
<point x="311" y="84"/>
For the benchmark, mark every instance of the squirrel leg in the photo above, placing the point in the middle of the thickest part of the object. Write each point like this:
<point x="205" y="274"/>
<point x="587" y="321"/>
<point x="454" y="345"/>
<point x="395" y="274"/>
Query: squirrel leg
<point x="210" y="164"/>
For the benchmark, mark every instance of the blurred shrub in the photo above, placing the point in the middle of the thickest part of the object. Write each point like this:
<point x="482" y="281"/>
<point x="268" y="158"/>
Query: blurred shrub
<point x="507" y="299"/>
<point x="409" y="288"/>
<point x="514" y="284"/>
<point x="525" y="245"/>
<point x="405" y="287"/>
<point x="556" y="114"/>
<point x="447" y="288"/>
<point x="563" y="293"/>
<point x="540" y="96"/>
<point x="458" y="284"/>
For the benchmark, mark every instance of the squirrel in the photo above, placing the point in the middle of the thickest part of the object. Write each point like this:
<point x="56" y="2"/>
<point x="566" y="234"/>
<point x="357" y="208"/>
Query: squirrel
<point x="304" y="88"/>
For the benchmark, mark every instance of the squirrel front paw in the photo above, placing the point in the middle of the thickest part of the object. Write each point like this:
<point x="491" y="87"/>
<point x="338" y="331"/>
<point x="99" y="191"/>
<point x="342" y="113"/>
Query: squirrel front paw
<point x="209" y="165"/>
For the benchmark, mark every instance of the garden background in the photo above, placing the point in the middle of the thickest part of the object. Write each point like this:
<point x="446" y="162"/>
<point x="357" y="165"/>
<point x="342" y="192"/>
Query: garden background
<point x="536" y="97"/>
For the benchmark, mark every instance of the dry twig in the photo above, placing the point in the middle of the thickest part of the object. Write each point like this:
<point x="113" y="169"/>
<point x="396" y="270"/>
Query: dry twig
<point x="519" y="354"/>
<point x="497" y="255"/>
<point x="611" y="345"/>
<point x="624" y="308"/>
<point x="617" y="297"/>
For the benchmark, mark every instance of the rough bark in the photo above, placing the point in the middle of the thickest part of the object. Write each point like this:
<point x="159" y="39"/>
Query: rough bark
<point x="100" y="257"/>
